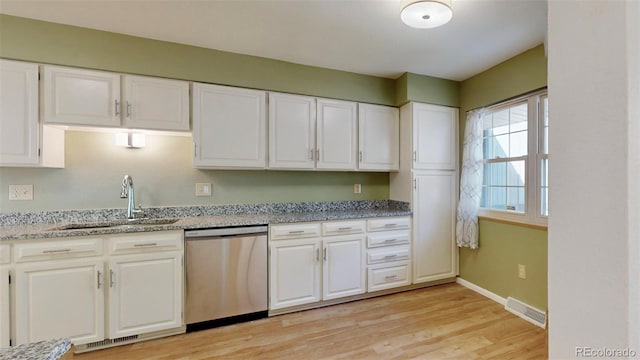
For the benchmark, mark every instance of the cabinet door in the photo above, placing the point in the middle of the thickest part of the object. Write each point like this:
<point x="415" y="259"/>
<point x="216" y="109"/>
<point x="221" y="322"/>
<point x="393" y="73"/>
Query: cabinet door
<point x="292" y="131"/>
<point x="80" y="97"/>
<point x="229" y="127"/>
<point x="4" y="307"/>
<point x="63" y="298"/>
<point x="434" y="226"/>
<point x="336" y="135"/>
<point x="379" y="136"/>
<point x="435" y="137"/>
<point x="344" y="270"/>
<point x="19" y="124"/>
<point x="154" y="103"/>
<point x="295" y="273"/>
<point x="145" y="293"/>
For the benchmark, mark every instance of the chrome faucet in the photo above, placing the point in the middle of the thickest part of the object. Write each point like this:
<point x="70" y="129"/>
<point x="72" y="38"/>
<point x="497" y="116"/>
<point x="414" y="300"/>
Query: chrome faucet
<point x="127" y="192"/>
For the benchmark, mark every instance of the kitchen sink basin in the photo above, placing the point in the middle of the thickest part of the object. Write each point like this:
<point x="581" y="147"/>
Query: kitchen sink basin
<point x="115" y="223"/>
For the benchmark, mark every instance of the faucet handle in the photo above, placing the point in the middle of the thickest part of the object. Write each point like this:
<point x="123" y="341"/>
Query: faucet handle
<point x="138" y="210"/>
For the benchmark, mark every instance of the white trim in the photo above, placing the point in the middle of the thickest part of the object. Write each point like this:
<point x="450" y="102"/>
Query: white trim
<point x="482" y="291"/>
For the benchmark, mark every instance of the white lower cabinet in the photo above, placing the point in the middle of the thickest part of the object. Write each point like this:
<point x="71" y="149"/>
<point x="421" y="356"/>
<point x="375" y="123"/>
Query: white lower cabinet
<point x="296" y="273"/>
<point x="434" y="207"/>
<point x="145" y="293"/>
<point x="343" y="266"/>
<point x="305" y="271"/>
<point x="60" y="298"/>
<point x="72" y="288"/>
<point x="5" y="296"/>
<point x="388" y="253"/>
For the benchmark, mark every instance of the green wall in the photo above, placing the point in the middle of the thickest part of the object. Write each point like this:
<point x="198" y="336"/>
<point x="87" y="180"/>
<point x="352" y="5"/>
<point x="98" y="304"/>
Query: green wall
<point x="494" y="266"/>
<point x="163" y="174"/>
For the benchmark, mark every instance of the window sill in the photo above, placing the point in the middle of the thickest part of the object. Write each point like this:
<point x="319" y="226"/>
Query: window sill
<point x="512" y="220"/>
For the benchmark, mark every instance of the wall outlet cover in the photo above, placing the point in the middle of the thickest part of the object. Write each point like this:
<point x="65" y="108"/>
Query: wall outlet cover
<point x="357" y="188"/>
<point x="21" y="192"/>
<point x="522" y="271"/>
<point x="203" y="189"/>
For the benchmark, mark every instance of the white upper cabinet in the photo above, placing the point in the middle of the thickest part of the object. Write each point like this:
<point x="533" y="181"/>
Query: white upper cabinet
<point x="19" y="127"/>
<point x="23" y="139"/>
<point x="434" y="137"/>
<point x="154" y="103"/>
<point x="336" y="135"/>
<point x="229" y="127"/>
<point x="292" y="131"/>
<point x="379" y="137"/>
<point x="80" y="97"/>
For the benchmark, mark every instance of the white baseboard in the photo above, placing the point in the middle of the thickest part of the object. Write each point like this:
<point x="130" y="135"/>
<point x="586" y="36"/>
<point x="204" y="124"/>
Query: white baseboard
<point x="482" y="291"/>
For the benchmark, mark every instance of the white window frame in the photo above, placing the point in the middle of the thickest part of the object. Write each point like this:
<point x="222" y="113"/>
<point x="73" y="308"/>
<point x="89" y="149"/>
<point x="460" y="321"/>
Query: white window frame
<point x="533" y="161"/>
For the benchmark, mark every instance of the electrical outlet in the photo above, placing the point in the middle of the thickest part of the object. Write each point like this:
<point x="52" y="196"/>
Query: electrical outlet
<point x="357" y="188"/>
<point x="522" y="271"/>
<point x="20" y="192"/>
<point x="203" y="189"/>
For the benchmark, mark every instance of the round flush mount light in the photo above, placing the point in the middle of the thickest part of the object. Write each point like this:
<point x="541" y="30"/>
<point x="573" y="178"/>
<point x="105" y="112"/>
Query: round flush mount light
<point x="426" y="14"/>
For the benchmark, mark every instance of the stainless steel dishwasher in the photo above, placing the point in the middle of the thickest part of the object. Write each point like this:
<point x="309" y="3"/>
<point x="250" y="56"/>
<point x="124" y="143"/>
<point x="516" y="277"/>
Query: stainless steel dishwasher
<point x="226" y="276"/>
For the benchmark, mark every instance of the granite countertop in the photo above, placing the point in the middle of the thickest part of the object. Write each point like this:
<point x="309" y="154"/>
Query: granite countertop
<point x="47" y="224"/>
<point x="41" y="350"/>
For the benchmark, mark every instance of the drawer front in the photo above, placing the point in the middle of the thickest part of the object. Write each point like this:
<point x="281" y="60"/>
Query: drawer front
<point x="146" y="242"/>
<point x="47" y="250"/>
<point x="297" y="231"/>
<point x="388" y="254"/>
<point x="343" y="227"/>
<point x="394" y="223"/>
<point x="387" y="277"/>
<point x="388" y="238"/>
<point x="5" y="254"/>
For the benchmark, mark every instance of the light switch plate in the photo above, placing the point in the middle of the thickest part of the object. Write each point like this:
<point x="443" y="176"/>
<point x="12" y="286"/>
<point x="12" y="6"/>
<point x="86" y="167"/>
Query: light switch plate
<point x="203" y="189"/>
<point x="21" y="192"/>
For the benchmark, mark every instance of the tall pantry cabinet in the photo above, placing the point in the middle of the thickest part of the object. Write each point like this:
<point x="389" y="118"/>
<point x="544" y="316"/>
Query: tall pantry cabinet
<point x="428" y="179"/>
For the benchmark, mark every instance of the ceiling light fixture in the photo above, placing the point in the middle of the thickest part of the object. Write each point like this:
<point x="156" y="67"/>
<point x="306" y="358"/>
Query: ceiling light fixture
<point x="427" y="13"/>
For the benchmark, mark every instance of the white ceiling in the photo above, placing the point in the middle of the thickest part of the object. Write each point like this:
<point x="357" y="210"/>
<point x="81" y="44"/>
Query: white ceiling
<point x="362" y="36"/>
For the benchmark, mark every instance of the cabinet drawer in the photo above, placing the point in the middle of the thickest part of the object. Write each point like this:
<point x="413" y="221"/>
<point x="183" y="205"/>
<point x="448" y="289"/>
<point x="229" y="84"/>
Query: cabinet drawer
<point x="388" y="224"/>
<point x="47" y="250"/>
<point x="388" y="238"/>
<point x="388" y="254"/>
<point x="5" y="254"/>
<point x="280" y="232"/>
<point x="387" y="277"/>
<point x="152" y="241"/>
<point x="343" y="227"/>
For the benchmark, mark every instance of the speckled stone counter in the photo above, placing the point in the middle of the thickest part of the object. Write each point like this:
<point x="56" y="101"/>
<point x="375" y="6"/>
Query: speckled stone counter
<point x="47" y="224"/>
<point x="41" y="350"/>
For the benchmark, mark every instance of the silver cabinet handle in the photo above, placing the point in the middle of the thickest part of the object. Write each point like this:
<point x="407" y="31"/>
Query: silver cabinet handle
<point x="415" y="184"/>
<point x="143" y="245"/>
<point x="317" y="254"/>
<point x="117" y="107"/>
<point x="390" y="256"/>
<point x="112" y="280"/>
<point x="390" y="225"/>
<point x="311" y="154"/>
<point x="345" y="228"/>
<point x="318" y="154"/>
<point x="415" y="155"/>
<point x="99" y="279"/>
<point x="296" y="232"/>
<point x="360" y="155"/>
<point x="128" y="109"/>
<point x="389" y="277"/>
<point x="56" y="251"/>
<point x="324" y="254"/>
<point x="390" y="240"/>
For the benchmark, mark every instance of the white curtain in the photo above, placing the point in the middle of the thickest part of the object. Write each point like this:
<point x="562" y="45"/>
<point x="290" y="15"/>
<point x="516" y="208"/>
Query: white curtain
<point x="470" y="181"/>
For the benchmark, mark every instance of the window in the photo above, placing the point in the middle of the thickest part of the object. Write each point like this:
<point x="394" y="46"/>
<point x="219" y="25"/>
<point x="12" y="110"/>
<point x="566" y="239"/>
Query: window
<point x="515" y="148"/>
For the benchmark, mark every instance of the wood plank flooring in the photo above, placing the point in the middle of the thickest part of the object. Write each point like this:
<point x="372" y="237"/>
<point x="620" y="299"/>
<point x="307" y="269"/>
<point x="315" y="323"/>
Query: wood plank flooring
<point x="440" y="322"/>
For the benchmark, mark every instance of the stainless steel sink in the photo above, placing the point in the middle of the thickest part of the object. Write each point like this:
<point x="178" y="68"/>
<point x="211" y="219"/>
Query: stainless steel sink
<point x="115" y="223"/>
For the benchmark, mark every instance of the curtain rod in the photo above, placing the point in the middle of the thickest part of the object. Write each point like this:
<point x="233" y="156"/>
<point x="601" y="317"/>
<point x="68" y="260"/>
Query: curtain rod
<point x="509" y="99"/>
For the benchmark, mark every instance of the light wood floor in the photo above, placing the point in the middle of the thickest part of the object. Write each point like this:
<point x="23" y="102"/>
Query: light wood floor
<point x="441" y="322"/>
